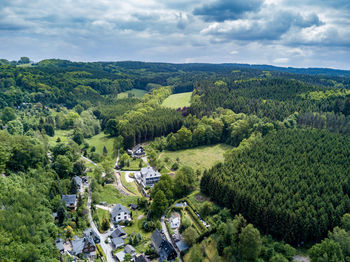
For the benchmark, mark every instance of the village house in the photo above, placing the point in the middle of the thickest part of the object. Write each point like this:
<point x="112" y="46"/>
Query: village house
<point x="83" y="247"/>
<point x="149" y="176"/>
<point x="164" y="248"/>
<point x="91" y="233"/>
<point x="142" y="258"/>
<point x="138" y="150"/>
<point x="59" y="245"/>
<point x="118" y="232"/>
<point x="79" y="183"/>
<point x="70" y="201"/>
<point x="120" y="213"/>
<point x="127" y="250"/>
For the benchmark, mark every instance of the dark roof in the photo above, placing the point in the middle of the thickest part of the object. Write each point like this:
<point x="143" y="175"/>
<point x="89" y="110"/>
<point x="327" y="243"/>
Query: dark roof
<point x="118" y="208"/>
<point x="157" y="239"/>
<point x="137" y="147"/>
<point x="141" y="258"/>
<point x="90" y="232"/>
<point x="165" y="250"/>
<point x="118" y="232"/>
<point x="133" y="206"/>
<point x="164" y="247"/>
<point x="69" y="199"/>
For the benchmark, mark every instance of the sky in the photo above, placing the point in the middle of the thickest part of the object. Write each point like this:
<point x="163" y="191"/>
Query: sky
<point x="299" y="33"/>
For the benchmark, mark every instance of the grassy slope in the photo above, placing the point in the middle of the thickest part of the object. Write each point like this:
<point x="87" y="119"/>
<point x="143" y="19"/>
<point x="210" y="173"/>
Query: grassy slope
<point x="101" y="140"/>
<point x="202" y="157"/>
<point x="178" y="100"/>
<point x="132" y="187"/>
<point x="62" y="134"/>
<point x="111" y="195"/>
<point x="137" y="92"/>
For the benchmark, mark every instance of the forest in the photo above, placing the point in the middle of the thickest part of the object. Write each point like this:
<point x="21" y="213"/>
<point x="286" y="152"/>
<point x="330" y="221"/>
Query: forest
<point x="293" y="184"/>
<point x="282" y="186"/>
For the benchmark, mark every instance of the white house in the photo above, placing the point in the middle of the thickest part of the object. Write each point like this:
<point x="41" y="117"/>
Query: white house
<point x="149" y="176"/>
<point x="120" y="213"/>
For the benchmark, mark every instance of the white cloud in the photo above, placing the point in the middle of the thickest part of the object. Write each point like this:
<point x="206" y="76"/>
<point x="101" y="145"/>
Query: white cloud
<point x="308" y="33"/>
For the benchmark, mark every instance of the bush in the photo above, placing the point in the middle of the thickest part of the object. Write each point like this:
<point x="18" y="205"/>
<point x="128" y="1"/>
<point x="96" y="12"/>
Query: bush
<point x="175" y="166"/>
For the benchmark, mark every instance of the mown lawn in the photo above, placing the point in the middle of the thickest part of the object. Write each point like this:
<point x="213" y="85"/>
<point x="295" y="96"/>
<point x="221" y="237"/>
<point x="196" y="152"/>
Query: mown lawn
<point x="111" y="195"/>
<point x="134" y="164"/>
<point x="99" y="141"/>
<point x="138" y="93"/>
<point x="202" y="157"/>
<point x="137" y="228"/>
<point x="178" y="100"/>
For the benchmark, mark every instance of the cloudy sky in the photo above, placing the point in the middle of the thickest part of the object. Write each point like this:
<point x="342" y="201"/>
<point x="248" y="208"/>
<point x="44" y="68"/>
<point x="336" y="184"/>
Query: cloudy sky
<point x="301" y="33"/>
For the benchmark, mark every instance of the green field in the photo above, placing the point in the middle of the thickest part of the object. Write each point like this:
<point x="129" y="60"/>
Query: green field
<point x="178" y="100"/>
<point x="132" y="187"/>
<point x="202" y="157"/>
<point x="99" y="141"/>
<point x="62" y="134"/>
<point x="111" y="195"/>
<point x="134" y="165"/>
<point x="138" y="93"/>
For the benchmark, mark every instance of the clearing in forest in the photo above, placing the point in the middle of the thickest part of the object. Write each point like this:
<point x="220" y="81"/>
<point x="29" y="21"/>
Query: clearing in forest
<point x="202" y="157"/>
<point x="178" y="100"/>
<point x="138" y="93"/>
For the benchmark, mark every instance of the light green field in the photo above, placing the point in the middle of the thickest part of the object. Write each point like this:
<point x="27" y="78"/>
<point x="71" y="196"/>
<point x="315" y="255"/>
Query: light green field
<point x="111" y="195"/>
<point x="62" y="134"/>
<point x="132" y="187"/>
<point x="99" y="141"/>
<point x="178" y="100"/>
<point x="134" y="164"/>
<point x="202" y="157"/>
<point x="138" y="93"/>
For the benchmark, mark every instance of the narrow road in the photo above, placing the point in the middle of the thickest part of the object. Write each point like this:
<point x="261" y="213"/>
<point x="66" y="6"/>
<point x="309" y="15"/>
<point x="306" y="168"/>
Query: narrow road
<point x="301" y="258"/>
<point x="89" y="160"/>
<point x="119" y="184"/>
<point x="106" y="247"/>
<point x="166" y="233"/>
<point x="144" y="158"/>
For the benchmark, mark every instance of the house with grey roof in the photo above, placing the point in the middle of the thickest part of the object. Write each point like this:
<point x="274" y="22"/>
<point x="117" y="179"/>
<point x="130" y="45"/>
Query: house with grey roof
<point x="138" y="151"/>
<point x="79" y="183"/>
<point x="118" y="232"/>
<point x="91" y="233"/>
<point x="117" y="242"/>
<point x="129" y="249"/>
<point x="141" y="258"/>
<point x="70" y="201"/>
<point x="83" y="247"/>
<point x="59" y="245"/>
<point x="164" y="248"/>
<point x="120" y="213"/>
<point x="149" y="176"/>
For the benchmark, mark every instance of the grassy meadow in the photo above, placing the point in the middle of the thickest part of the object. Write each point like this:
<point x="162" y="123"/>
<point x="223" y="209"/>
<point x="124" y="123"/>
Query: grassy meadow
<point x="178" y="100"/>
<point x="202" y="157"/>
<point x="138" y="93"/>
